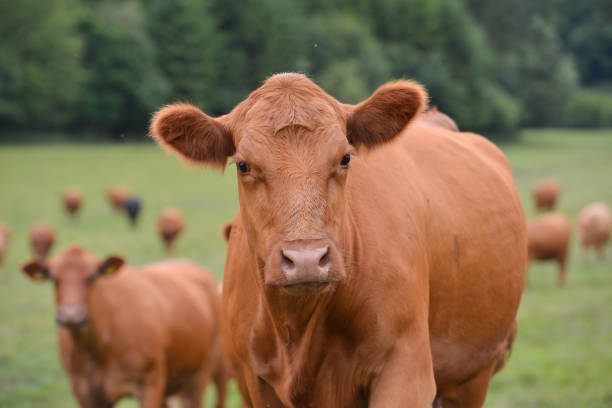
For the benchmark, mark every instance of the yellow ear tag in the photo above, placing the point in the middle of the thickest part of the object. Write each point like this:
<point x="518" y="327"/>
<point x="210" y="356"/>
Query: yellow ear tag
<point x="38" y="276"/>
<point x="110" y="270"/>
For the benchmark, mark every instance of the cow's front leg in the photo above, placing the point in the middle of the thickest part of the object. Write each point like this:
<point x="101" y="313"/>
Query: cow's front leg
<point x="153" y="389"/>
<point x="406" y="379"/>
<point x="260" y="393"/>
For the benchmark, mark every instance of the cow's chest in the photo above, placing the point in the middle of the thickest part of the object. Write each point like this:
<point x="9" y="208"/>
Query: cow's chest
<point x="325" y="374"/>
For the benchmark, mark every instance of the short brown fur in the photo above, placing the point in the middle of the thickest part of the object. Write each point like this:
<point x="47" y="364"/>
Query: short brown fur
<point x="595" y="222"/>
<point x="170" y="224"/>
<point x="73" y="200"/>
<point x="410" y="297"/>
<point x="117" y="196"/>
<point x="548" y="238"/>
<point x="433" y="117"/>
<point x="545" y="194"/>
<point x="5" y="235"/>
<point x="42" y="238"/>
<point x="150" y="332"/>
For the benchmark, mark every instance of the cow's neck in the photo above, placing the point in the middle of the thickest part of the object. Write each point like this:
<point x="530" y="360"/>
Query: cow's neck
<point x="88" y="338"/>
<point x="300" y="326"/>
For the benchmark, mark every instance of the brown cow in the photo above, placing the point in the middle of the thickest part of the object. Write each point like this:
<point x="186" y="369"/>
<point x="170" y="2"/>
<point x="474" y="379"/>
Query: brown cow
<point x="548" y="238"/>
<point x="150" y="332"/>
<point x="42" y="238"/>
<point x="170" y="224"/>
<point x="381" y="279"/>
<point x="73" y="199"/>
<point x="545" y="194"/>
<point x="595" y="223"/>
<point x="5" y="235"/>
<point x="117" y="197"/>
<point x="433" y="117"/>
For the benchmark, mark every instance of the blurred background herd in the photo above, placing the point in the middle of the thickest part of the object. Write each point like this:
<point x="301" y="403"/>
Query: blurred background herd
<point x="79" y="80"/>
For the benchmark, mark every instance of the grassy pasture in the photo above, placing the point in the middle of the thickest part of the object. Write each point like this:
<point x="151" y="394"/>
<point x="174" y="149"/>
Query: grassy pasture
<point x="562" y="356"/>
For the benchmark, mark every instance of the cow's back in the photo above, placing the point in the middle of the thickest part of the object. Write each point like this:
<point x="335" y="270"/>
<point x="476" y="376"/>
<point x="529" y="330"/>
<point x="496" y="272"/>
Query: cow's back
<point x="548" y="236"/>
<point x="165" y="312"/>
<point x="449" y="198"/>
<point x="189" y="308"/>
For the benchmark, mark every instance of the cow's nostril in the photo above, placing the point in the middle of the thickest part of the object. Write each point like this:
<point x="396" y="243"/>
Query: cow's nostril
<point x="286" y="260"/>
<point x="325" y="258"/>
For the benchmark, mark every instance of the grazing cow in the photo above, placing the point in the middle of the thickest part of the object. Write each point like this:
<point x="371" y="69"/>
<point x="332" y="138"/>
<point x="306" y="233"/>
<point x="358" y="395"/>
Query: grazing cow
<point x="433" y="117"/>
<point x="73" y="199"/>
<point x="595" y="223"/>
<point x="117" y="197"/>
<point x="132" y="209"/>
<point x="382" y="279"/>
<point x="5" y="235"/>
<point x="545" y="194"/>
<point x="548" y="238"/>
<point x="42" y="238"/>
<point x="151" y="332"/>
<point x="170" y="224"/>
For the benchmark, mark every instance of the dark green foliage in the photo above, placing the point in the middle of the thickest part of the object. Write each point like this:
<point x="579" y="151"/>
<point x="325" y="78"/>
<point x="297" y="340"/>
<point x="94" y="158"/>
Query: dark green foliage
<point x="102" y="66"/>
<point x="590" y="108"/>
<point x="530" y="63"/>
<point x="344" y="57"/>
<point x="258" y="38"/>
<point x="586" y="29"/>
<point x="40" y="71"/>
<point x="122" y="84"/>
<point x="186" y="46"/>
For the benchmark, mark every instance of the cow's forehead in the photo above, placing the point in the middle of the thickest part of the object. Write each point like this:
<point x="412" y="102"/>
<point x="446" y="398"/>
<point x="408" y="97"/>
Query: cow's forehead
<point x="73" y="258"/>
<point x="283" y="101"/>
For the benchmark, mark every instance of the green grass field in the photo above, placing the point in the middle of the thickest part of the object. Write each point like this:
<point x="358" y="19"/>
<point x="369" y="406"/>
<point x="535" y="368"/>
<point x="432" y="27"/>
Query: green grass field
<point x="562" y="356"/>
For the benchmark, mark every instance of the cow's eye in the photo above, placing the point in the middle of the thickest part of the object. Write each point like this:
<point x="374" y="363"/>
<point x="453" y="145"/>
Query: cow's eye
<point x="243" y="166"/>
<point x="345" y="160"/>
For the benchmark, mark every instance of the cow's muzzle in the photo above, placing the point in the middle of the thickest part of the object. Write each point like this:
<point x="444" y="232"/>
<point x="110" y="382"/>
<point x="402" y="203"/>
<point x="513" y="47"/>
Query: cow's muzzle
<point x="72" y="315"/>
<point x="304" y="266"/>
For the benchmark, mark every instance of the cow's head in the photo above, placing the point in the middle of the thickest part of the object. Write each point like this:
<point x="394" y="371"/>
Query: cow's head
<point x="292" y="144"/>
<point x="73" y="271"/>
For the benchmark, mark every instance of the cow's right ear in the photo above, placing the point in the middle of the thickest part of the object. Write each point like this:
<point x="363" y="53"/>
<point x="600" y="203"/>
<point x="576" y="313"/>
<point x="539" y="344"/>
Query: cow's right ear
<point x="36" y="270"/>
<point x="195" y="136"/>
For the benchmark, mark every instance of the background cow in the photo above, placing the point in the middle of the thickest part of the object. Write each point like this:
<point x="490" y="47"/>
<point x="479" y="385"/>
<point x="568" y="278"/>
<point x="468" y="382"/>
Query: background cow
<point x="5" y="235"/>
<point x="377" y="280"/>
<point x="150" y="332"/>
<point x="117" y="196"/>
<point x="548" y="238"/>
<point x="434" y="117"/>
<point x="170" y="224"/>
<point x="132" y="207"/>
<point x="595" y="223"/>
<point x="42" y="238"/>
<point x="545" y="194"/>
<point x="73" y="200"/>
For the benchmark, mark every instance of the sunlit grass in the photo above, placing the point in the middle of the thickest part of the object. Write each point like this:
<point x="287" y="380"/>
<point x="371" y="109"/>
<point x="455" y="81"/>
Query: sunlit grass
<point x="562" y="356"/>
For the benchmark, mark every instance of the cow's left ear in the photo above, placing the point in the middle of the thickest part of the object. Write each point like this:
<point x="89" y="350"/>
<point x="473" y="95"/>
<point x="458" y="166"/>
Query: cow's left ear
<point x="110" y="265"/>
<point x="385" y="114"/>
<point x="195" y="136"/>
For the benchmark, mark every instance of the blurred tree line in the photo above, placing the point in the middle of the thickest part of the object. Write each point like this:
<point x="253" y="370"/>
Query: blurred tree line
<point x="103" y="66"/>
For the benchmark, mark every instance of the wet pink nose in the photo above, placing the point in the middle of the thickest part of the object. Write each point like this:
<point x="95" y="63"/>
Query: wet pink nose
<point x="306" y="264"/>
<point x="71" y="314"/>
